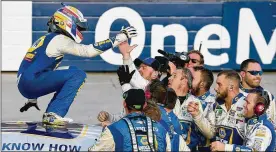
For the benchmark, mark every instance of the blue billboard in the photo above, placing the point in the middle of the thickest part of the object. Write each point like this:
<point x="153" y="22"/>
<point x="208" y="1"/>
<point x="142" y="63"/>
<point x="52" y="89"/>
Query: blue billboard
<point x="230" y="32"/>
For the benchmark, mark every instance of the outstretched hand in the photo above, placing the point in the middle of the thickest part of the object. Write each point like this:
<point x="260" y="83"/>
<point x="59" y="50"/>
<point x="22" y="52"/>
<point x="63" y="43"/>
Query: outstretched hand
<point x="125" y="49"/>
<point x="123" y="35"/>
<point x="124" y="75"/>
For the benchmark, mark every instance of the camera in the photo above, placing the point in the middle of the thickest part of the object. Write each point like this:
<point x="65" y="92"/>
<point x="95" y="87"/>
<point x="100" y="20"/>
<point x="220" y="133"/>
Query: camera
<point x="178" y="58"/>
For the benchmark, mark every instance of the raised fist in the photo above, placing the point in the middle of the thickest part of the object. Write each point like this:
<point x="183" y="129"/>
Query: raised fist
<point x="103" y="116"/>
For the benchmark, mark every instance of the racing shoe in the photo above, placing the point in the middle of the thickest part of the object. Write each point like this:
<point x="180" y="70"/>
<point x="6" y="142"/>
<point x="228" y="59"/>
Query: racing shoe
<point x="54" y="119"/>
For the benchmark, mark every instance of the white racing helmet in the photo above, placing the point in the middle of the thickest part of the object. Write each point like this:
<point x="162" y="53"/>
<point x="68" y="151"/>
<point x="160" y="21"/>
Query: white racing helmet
<point x="69" y="21"/>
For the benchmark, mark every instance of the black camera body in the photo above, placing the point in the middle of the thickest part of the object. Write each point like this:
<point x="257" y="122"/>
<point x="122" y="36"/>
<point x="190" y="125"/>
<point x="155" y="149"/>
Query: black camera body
<point x="178" y="58"/>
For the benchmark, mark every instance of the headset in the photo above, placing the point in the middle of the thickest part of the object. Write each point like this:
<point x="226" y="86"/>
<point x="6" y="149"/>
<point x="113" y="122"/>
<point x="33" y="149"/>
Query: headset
<point x="261" y="107"/>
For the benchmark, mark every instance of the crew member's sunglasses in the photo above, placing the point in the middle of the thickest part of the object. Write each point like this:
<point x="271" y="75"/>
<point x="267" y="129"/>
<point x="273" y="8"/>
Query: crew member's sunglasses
<point x="195" y="60"/>
<point x="255" y="72"/>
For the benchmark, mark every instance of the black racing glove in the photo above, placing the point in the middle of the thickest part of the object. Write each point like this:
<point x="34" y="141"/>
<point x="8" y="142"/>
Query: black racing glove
<point x="124" y="75"/>
<point x="29" y="105"/>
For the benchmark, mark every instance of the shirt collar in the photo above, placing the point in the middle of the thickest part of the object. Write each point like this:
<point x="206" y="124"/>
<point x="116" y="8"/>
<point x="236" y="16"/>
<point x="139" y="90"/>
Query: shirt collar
<point x="256" y="119"/>
<point x="259" y="88"/>
<point x="183" y="98"/>
<point x="234" y="100"/>
<point x="204" y="96"/>
<point x="133" y="114"/>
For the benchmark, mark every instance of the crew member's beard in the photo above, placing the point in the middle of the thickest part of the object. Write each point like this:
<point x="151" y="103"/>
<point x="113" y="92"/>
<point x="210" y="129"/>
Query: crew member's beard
<point x="251" y="83"/>
<point x="195" y="90"/>
<point x="221" y="95"/>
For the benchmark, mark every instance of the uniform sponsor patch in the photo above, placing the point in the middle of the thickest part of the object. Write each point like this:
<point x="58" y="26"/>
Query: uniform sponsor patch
<point x="260" y="133"/>
<point x="139" y="122"/>
<point x="186" y="115"/>
<point x="238" y="121"/>
<point x="257" y="144"/>
<point x="255" y="121"/>
<point x="231" y="121"/>
<point x="240" y="115"/>
<point x="232" y="113"/>
<point x="218" y="112"/>
<point x="172" y="128"/>
<point x="144" y="148"/>
<point x="144" y="140"/>
<point x="222" y="133"/>
<point x="239" y="108"/>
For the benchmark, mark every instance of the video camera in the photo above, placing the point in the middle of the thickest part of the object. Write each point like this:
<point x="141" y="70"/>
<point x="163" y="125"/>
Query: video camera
<point x="178" y="58"/>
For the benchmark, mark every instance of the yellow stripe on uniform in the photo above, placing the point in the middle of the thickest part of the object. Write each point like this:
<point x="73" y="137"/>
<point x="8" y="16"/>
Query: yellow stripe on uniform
<point x="189" y="136"/>
<point x="37" y="44"/>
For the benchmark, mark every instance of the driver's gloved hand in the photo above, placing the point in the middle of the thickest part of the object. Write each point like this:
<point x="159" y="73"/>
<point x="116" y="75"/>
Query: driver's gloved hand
<point x="29" y="104"/>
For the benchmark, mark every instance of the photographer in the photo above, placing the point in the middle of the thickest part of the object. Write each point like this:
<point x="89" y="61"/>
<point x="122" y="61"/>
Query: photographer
<point x="170" y="62"/>
<point x="196" y="59"/>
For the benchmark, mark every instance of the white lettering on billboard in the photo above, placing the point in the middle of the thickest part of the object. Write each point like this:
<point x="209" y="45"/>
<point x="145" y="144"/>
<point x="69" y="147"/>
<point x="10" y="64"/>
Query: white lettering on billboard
<point x="224" y="42"/>
<point x="159" y="32"/>
<point x="249" y="28"/>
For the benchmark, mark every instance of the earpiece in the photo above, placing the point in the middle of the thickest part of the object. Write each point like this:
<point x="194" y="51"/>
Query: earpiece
<point x="231" y="86"/>
<point x="259" y="109"/>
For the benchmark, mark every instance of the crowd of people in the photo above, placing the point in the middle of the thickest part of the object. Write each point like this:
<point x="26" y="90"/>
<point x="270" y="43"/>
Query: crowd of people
<point x="239" y="117"/>
<point x="171" y="110"/>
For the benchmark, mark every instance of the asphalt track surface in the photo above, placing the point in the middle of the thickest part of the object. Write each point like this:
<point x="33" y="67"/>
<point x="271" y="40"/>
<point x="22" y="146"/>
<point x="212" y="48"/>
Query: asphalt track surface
<point x="101" y="91"/>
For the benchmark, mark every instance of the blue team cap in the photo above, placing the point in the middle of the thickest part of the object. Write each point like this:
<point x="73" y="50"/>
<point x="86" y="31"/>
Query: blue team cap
<point x="149" y="62"/>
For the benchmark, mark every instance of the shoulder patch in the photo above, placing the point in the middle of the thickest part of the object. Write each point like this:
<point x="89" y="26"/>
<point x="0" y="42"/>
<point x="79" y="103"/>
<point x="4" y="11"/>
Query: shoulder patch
<point x="261" y="132"/>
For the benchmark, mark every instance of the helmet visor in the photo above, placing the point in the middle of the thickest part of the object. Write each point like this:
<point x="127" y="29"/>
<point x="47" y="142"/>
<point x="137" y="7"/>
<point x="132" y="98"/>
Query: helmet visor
<point x="82" y="26"/>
